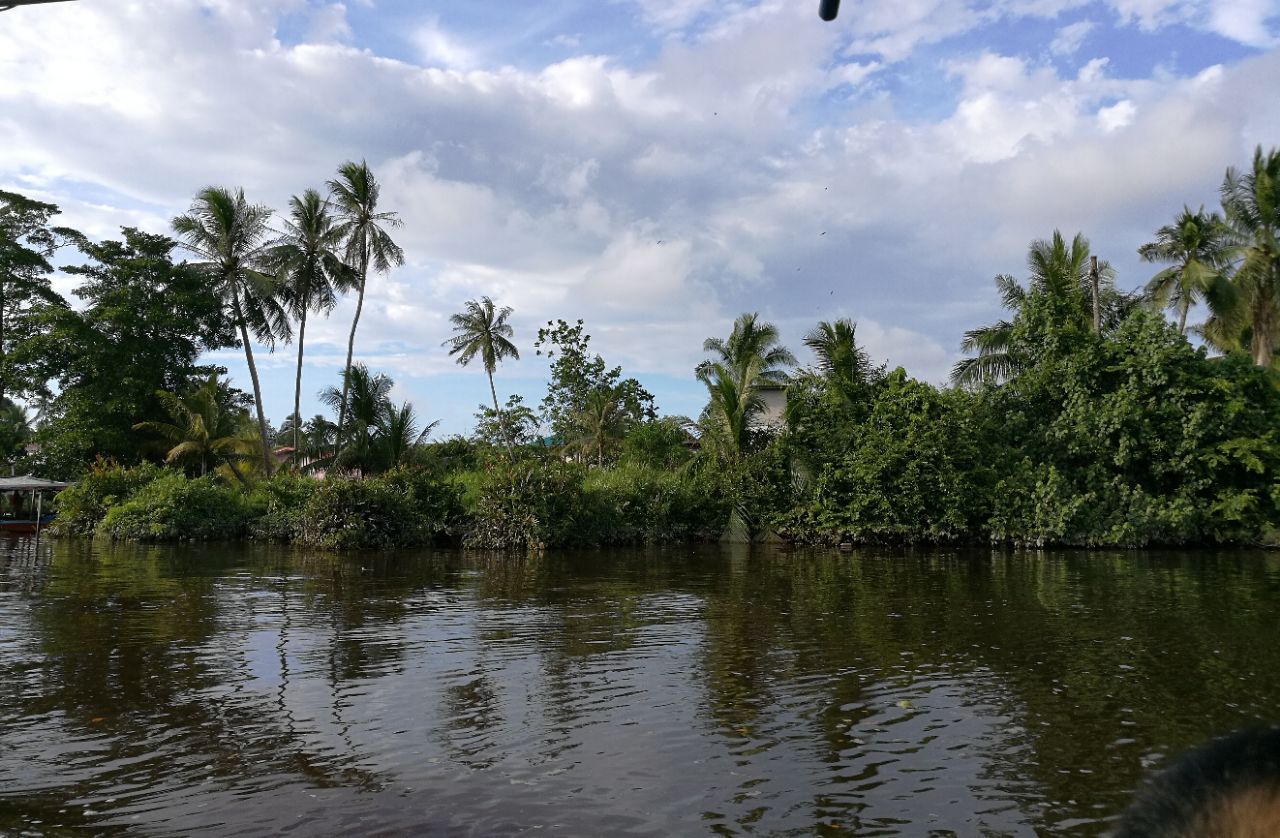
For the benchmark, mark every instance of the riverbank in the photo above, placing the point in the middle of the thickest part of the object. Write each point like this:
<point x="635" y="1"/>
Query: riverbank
<point x="535" y="502"/>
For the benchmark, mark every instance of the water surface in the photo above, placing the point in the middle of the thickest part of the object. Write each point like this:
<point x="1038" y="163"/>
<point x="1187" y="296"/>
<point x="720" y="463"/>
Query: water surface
<point x="254" y="690"/>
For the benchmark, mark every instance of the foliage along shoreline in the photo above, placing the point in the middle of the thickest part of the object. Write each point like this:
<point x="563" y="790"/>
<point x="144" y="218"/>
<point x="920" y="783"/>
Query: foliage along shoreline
<point x="1083" y="419"/>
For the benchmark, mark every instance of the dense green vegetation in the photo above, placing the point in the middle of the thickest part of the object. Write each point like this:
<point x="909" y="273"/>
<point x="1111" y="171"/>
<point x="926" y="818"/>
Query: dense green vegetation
<point x="1084" y="418"/>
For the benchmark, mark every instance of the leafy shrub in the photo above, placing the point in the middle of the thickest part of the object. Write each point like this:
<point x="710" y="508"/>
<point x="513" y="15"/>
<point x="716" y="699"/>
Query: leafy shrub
<point x="526" y="503"/>
<point x="402" y="508"/>
<point x="82" y="507"/>
<point x="279" y="506"/>
<point x="911" y="473"/>
<point x="174" y="507"/>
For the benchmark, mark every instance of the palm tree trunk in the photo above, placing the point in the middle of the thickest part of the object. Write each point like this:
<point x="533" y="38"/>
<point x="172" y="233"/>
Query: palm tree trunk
<point x="235" y="469"/>
<point x="297" y="384"/>
<point x="351" y="341"/>
<point x="1182" y="315"/>
<point x="253" y="376"/>
<point x="497" y="414"/>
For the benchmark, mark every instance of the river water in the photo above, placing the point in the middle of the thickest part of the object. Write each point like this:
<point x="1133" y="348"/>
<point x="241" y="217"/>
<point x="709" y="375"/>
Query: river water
<point x="734" y="690"/>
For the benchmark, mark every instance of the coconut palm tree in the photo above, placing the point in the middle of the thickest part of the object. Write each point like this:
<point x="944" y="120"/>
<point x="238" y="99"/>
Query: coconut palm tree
<point x="202" y="428"/>
<point x="363" y="399"/>
<point x="1059" y="270"/>
<point x="397" y="434"/>
<point x="310" y="274"/>
<point x="1197" y="245"/>
<point x="229" y="234"/>
<point x="751" y="358"/>
<point x="482" y="331"/>
<point x="750" y="341"/>
<point x="841" y="361"/>
<point x="1252" y="204"/>
<point x="732" y="403"/>
<point x="363" y="229"/>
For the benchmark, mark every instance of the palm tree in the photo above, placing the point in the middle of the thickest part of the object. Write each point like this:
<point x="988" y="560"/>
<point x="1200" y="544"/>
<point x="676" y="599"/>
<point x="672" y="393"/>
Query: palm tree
<point x="1196" y="243"/>
<point x="750" y="341"/>
<point x="1057" y="270"/>
<point x="363" y="231"/>
<point x="482" y="330"/>
<point x="363" y="399"/>
<point x="751" y="358"/>
<point x="842" y="362"/>
<point x="732" y="402"/>
<point x="228" y="233"/>
<point x="599" y="423"/>
<point x="397" y="434"/>
<point x="202" y="428"/>
<point x="310" y="273"/>
<point x="1252" y="204"/>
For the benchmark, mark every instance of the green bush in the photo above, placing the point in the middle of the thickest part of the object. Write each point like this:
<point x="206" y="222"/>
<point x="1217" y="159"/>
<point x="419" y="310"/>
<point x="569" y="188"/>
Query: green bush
<point x="912" y="472"/>
<point x="527" y="503"/>
<point x="403" y="508"/>
<point x="173" y="507"/>
<point x="633" y="504"/>
<point x="279" y="506"/>
<point x="82" y="507"/>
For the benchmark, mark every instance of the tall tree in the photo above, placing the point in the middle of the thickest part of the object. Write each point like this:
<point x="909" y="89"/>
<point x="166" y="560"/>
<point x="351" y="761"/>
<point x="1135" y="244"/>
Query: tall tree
<point x="143" y="324"/>
<point x="203" y="426"/>
<point x="482" y="331"/>
<point x="1061" y="272"/>
<point x="576" y="373"/>
<point x="27" y="241"/>
<point x="1196" y="244"/>
<point x="1252" y="203"/>
<point x="230" y="235"/>
<point x="310" y="273"/>
<point x="363" y="230"/>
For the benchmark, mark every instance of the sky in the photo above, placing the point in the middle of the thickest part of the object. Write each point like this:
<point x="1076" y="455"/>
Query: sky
<point x="654" y="167"/>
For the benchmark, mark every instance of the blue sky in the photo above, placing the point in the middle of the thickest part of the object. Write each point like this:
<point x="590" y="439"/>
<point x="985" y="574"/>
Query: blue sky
<point x="654" y="167"/>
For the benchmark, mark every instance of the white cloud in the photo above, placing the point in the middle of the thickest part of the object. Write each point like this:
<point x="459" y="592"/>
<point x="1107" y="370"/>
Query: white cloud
<point x="1069" y="38"/>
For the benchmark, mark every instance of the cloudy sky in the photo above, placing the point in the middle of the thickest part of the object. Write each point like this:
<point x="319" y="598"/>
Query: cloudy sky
<point x="654" y="167"/>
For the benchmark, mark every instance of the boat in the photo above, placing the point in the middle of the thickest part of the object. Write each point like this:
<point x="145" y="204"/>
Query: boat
<point x="31" y="519"/>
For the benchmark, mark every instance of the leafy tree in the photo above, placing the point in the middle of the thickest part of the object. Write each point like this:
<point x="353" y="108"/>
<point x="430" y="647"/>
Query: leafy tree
<point x="229" y="234"/>
<point x="143" y="327"/>
<point x="599" y="426"/>
<point x="26" y="244"/>
<point x="1196" y="243"/>
<point x="910" y="472"/>
<point x="659" y="443"/>
<point x="1252" y="203"/>
<point x="482" y="331"/>
<point x="1140" y="438"/>
<point x="15" y="429"/>
<point x="1062" y="272"/>
<point x="204" y="427"/>
<point x="577" y="373"/>
<point x="310" y="274"/>
<point x="512" y="425"/>
<point x="363" y="229"/>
